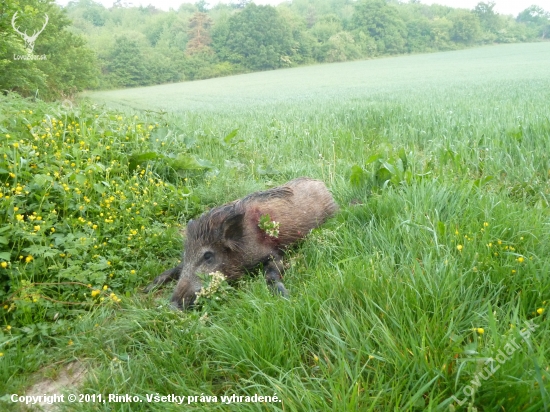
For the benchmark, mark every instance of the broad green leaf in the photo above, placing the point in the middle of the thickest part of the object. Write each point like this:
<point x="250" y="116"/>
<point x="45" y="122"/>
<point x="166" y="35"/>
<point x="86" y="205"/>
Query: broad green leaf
<point x="186" y="162"/>
<point x="139" y="158"/>
<point x="373" y="158"/>
<point x="357" y="175"/>
<point x="440" y="228"/>
<point x="383" y="175"/>
<point x="42" y="180"/>
<point x="160" y="133"/>
<point x="230" y="136"/>
<point x="99" y="188"/>
<point x="483" y="181"/>
<point x="403" y="156"/>
<point x="267" y="171"/>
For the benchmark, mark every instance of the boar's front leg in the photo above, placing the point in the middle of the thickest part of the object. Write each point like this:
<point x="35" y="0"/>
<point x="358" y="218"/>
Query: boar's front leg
<point x="164" y="277"/>
<point x="273" y="275"/>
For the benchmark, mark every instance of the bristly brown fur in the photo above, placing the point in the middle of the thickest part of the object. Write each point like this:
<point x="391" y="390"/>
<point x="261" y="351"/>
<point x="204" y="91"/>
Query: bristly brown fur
<point x="229" y="238"/>
<point x="208" y="226"/>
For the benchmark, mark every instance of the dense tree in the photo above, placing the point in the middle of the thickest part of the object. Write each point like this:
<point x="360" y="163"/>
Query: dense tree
<point x="126" y="64"/>
<point x="441" y="33"/>
<point x="198" y="33"/>
<point x="536" y="19"/>
<point x="419" y="35"/>
<point x="488" y="18"/>
<point x="23" y="76"/>
<point x="95" y="13"/>
<point x="466" y="28"/>
<point x="326" y="27"/>
<point x="135" y="46"/>
<point x="258" y="38"/>
<point x="341" y="47"/>
<point x="68" y="65"/>
<point x="382" y="21"/>
<point x="302" y="42"/>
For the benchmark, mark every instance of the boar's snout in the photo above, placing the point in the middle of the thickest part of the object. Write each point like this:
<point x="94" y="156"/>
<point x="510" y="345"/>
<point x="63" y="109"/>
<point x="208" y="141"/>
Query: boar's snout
<point x="185" y="294"/>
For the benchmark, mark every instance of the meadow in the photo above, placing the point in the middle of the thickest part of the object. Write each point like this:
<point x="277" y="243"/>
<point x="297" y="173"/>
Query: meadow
<point x="428" y="291"/>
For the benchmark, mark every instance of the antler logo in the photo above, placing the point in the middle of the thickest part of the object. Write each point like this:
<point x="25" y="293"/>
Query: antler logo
<point x="29" y="40"/>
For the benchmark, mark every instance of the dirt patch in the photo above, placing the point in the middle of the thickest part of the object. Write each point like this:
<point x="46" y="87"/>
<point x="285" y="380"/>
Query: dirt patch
<point x="52" y="381"/>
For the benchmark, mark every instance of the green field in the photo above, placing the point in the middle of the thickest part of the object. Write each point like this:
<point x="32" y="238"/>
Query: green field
<point x="367" y="79"/>
<point x="428" y="291"/>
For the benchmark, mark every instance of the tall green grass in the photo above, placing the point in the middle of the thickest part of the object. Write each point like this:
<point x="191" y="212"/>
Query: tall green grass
<point x="430" y="268"/>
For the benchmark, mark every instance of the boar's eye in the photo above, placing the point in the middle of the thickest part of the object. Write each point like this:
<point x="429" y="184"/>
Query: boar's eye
<point x="208" y="256"/>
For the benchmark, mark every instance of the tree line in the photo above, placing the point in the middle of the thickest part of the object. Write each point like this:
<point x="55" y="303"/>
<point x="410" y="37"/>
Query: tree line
<point x="90" y="46"/>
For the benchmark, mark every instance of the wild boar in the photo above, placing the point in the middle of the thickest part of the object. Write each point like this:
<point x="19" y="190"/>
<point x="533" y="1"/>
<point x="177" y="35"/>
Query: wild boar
<point x="231" y="238"/>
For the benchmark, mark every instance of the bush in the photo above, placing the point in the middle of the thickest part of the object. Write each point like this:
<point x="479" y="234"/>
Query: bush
<point x="83" y="205"/>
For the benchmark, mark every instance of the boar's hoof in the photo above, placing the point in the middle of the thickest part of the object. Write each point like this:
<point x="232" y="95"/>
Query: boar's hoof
<point x="280" y="289"/>
<point x="175" y="307"/>
<point x="164" y="277"/>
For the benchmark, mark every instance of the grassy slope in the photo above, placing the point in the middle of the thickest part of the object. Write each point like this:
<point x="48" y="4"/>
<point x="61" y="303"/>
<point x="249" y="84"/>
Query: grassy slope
<point x="362" y="79"/>
<point x="386" y="296"/>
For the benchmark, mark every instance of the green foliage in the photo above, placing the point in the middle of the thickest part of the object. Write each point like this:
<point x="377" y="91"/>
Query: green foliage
<point x="69" y="66"/>
<point x="214" y="293"/>
<point x="488" y="18"/>
<point x="536" y="19"/>
<point x="258" y="38"/>
<point x="396" y="304"/>
<point x="384" y="169"/>
<point x="382" y="21"/>
<point x="126" y="65"/>
<point x="270" y="227"/>
<point x="83" y="203"/>
<point x="140" y="46"/>
<point x="199" y="37"/>
<point x="466" y="28"/>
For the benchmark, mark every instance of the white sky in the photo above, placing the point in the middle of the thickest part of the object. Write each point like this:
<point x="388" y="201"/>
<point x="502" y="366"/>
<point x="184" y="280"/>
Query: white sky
<point x="501" y="6"/>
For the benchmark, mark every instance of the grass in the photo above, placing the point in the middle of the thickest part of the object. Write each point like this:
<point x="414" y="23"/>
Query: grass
<point x="433" y="266"/>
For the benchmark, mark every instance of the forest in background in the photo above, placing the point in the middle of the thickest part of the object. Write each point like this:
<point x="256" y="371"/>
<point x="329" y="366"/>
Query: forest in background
<point x="88" y="46"/>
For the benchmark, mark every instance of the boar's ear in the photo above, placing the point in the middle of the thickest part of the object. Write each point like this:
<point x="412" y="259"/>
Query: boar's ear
<point x="232" y="228"/>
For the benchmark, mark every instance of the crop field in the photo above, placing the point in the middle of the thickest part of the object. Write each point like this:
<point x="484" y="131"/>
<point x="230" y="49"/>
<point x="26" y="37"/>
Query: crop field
<point x="429" y="290"/>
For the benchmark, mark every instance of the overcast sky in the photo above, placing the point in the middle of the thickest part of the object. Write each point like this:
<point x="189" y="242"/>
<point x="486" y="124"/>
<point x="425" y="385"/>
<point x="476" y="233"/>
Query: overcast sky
<point x="502" y="6"/>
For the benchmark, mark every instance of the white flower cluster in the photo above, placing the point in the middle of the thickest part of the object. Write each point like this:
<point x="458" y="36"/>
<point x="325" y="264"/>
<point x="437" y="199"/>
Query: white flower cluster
<point x="274" y="230"/>
<point x="217" y="279"/>
<point x="270" y="227"/>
